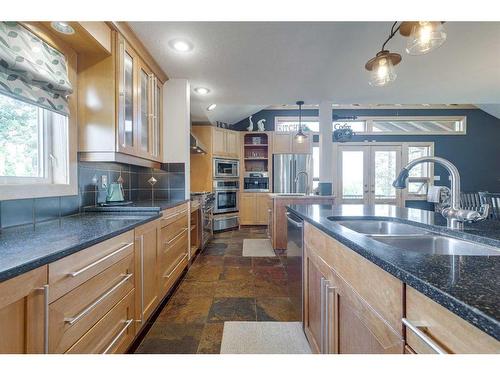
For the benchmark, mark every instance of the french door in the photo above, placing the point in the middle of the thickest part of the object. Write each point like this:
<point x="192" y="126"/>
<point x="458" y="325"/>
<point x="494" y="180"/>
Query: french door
<point x="365" y="174"/>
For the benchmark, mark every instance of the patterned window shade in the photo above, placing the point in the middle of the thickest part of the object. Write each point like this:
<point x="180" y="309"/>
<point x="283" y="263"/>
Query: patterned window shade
<point x="31" y="70"/>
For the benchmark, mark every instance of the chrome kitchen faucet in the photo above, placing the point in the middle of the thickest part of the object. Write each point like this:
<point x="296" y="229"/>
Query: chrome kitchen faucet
<point x="455" y="216"/>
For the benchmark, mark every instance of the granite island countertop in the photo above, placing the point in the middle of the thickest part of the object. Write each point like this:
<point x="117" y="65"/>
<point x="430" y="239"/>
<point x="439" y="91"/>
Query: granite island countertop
<point x="468" y="286"/>
<point x="26" y="247"/>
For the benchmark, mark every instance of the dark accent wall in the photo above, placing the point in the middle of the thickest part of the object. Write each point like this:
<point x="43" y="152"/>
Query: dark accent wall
<point x="476" y="154"/>
<point x="170" y="185"/>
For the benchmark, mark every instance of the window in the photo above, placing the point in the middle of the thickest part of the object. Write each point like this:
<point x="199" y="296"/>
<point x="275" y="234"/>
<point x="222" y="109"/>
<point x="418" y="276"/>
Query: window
<point x="315" y="162"/>
<point x="420" y="176"/>
<point x="395" y="125"/>
<point x="33" y="143"/>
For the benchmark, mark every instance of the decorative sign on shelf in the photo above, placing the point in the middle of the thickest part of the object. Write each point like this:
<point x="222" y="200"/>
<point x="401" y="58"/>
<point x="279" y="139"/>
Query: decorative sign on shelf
<point x="342" y="133"/>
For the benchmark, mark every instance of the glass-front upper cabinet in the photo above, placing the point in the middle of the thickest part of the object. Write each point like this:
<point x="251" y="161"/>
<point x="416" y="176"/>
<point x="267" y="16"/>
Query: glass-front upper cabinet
<point x="145" y="110"/>
<point x="127" y="97"/>
<point x="157" y="118"/>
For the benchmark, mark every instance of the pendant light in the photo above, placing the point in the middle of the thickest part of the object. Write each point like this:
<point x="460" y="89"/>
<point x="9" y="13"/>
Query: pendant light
<point x="300" y="137"/>
<point x="381" y="67"/>
<point x="423" y="36"/>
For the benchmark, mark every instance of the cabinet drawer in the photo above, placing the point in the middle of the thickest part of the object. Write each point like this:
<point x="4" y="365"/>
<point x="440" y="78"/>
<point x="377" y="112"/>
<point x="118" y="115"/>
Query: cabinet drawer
<point x="173" y="214"/>
<point x="173" y="260"/>
<point x="70" y="272"/>
<point x="72" y="315"/>
<point x="112" y="334"/>
<point x="171" y="232"/>
<point x="442" y="327"/>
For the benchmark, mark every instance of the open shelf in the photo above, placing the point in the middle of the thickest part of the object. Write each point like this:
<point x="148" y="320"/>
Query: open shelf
<point x="256" y="152"/>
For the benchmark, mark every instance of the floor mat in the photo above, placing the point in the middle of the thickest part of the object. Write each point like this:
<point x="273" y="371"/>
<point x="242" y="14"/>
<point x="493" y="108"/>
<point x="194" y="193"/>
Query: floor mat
<point x="264" y="338"/>
<point x="258" y="248"/>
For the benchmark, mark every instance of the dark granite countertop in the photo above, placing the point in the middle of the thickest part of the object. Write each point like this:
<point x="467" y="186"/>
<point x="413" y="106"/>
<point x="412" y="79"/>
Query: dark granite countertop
<point x="139" y="206"/>
<point x="466" y="285"/>
<point x="25" y="248"/>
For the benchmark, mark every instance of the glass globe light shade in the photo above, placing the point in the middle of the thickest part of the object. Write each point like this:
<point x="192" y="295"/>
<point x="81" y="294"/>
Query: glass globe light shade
<point x="425" y="36"/>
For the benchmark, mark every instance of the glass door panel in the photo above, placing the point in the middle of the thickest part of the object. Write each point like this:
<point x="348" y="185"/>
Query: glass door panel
<point x="128" y="83"/>
<point x="385" y="163"/>
<point x="144" y="112"/>
<point x="157" y="120"/>
<point x="353" y="174"/>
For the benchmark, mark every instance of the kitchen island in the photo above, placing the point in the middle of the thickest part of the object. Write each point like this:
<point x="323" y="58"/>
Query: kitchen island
<point x="461" y="288"/>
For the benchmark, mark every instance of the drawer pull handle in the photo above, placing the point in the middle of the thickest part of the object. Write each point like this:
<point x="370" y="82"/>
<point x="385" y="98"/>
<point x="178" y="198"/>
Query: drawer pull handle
<point x="426" y="339"/>
<point x="91" y="265"/>
<point x="117" y="337"/>
<point x="174" y="215"/>
<point x="45" y="290"/>
<point x="176" y="237"/>
<point x="90" y="307"/>
<point x="178" y="262"/>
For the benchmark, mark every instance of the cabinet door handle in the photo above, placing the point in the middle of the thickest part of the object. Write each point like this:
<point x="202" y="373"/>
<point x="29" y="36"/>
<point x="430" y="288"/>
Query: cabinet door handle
<point x="328" y="289"/>
<point x="90" y="307"/>
<point x="174" y="215"/>
<point x="416" y="329"/>
<point x="176" y="237"/>
<point x="117" y="337"/>
<point x="93" y="264"/>
<point x="322" y="315"/>
<point x="142" y="278"/>
<point x="45" y="290"/>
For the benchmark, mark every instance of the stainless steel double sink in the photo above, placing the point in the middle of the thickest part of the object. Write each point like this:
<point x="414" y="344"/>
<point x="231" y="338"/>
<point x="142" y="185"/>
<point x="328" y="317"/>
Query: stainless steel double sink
<point x="416" y="239"/>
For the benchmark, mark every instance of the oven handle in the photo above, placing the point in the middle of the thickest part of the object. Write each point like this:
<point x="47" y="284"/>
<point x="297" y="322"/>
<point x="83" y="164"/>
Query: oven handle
<point x="297" y="224"/>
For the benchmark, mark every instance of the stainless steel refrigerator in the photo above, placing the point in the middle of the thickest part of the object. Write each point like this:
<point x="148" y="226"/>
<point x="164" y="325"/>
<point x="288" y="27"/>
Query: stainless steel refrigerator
<point x="286" y="168"/>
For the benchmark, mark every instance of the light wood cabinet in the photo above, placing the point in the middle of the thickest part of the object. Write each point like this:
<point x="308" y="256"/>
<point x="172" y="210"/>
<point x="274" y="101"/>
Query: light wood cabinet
<point x="441" y="327"/>
<point x="254" y="209"/>
<point x="173" y="249"/>
<point x="317" y="302"/>
<point x="349" y="303"/>
<point x="225" y="143"/>
<point x="23" y="318"/>
<point x="146" y="269"/>
<point x="120" y="106"/>
<point x="285" y="143"/>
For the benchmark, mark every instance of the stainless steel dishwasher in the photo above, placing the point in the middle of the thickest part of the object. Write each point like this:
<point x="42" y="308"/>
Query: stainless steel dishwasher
<point x="294" y="258"/>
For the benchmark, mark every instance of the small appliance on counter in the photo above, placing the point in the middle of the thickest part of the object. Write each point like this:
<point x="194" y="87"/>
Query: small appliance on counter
<point x="115" y="196"/>
<point x="256" y="182"/>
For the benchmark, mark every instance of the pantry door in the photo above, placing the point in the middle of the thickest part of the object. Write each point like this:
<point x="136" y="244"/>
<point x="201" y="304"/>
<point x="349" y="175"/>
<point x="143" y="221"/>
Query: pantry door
<point x="365" y="174"/>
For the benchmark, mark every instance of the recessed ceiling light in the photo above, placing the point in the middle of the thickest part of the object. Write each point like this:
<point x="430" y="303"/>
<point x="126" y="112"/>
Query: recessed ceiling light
<point x="201" y="90"/>
<point x="180" y="45"/>
<point x="62" y="27"/>
<point x="211" y="107"/>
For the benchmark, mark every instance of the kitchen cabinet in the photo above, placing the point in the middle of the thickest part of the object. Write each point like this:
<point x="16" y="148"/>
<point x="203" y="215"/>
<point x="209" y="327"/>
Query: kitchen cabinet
<point x="173" y="250"/>
<point x="225" y="143"/>
<point x="318" y="303"/>
<point x="350" y="305"/>
<point x="146" y="260"/>
<point x="254" y="209"/>
<point x="430" y="329"/>
<point x="24" y="313"/>
<point x="120" y="104"/>
<point x="285" y="143"/>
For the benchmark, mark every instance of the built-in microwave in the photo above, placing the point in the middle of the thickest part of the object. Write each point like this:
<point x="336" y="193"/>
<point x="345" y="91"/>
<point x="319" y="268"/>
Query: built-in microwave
<point x="224" y="168"/>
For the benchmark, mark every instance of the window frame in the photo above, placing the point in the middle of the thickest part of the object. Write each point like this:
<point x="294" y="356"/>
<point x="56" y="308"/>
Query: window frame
<point x="34" y="187"/>
<point x="369" y="120"/>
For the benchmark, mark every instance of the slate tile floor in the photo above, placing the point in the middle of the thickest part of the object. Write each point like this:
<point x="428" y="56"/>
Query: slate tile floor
<point x="220" y="286"/>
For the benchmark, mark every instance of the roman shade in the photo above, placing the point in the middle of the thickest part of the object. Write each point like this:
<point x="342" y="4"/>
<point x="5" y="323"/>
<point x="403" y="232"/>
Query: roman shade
<point x="31" y="70"/>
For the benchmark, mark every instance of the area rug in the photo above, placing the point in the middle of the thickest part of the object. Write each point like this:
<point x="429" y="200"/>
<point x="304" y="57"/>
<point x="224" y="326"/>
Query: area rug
<point x="264" y="338"/>
<point x="258" y="248"/>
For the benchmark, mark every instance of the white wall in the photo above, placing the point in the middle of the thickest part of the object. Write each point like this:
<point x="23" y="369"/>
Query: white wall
<point x="177" y="124"/>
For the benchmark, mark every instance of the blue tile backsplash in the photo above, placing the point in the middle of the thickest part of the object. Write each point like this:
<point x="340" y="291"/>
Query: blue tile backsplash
<point x="171" y="184"/>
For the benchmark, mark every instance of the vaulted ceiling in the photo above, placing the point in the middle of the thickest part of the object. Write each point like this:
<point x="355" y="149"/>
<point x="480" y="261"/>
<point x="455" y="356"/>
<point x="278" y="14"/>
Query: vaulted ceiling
<point x="251" y="65"/>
